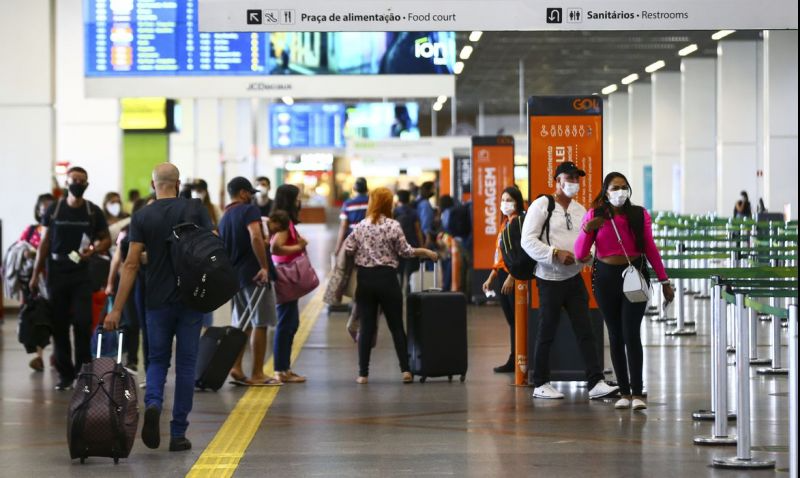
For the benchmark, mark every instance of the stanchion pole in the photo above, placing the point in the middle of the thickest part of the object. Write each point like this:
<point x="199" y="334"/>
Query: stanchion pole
<point x="680" y="328"/>
<point x="521" y="332"/>
<point x="752" y="319"/>
<point x="719" y="393"/>
<point x="744" y="457"/>
<point x="793" y="431"/>
<point x="777" y="364"/>
<point x="709" y="414"/>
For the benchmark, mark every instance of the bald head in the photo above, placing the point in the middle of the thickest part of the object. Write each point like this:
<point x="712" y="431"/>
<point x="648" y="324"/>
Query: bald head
<point x="166" y="180"/>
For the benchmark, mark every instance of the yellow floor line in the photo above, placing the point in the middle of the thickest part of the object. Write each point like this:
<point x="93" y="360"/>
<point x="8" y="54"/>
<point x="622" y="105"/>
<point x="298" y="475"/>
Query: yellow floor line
<point x="222" y="456"/>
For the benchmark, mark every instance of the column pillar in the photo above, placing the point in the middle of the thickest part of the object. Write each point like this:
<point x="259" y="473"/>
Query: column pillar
<point x="737" y="125"/>
<point x="698" y="135"/>
<point x="617" y="134"/>
<point x="780" y="120"/>
<point x="666" y="140"/>
<point x="640" y="143"/>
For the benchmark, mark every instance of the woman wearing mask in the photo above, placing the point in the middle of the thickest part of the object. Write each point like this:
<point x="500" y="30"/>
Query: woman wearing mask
<point x="623" y="318"/>
<point x="286" y="246"/>
<point x="377" y="242"/>
<point x="511" y="205"/>
<point x="112" y="208"/>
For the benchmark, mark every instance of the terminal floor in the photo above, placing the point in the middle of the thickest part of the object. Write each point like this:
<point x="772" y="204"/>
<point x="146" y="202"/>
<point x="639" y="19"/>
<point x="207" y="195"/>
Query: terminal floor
<point x="331" y="426"/>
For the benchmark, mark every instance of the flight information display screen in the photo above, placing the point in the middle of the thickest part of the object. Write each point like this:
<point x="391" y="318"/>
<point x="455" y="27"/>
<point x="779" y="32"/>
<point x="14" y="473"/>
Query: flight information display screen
<point x="161" y="38"/>
<point x="307" y="125"/>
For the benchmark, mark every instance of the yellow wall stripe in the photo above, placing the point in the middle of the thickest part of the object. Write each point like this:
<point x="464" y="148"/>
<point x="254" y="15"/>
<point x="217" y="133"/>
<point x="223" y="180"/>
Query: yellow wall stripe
<point x="222" y="456"/>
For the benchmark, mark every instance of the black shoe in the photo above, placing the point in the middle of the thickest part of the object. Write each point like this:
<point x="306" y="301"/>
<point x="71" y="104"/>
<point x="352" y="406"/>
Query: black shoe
<point x="64" y="384"/>
<point x="508" y="367"/>
<point x="179" y="444"/>
<point x="151" y="435"/>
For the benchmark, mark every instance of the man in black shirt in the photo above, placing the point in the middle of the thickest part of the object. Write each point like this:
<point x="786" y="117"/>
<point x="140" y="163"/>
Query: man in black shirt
<point x="74" y="230"/>
<point x="166" y="316"/>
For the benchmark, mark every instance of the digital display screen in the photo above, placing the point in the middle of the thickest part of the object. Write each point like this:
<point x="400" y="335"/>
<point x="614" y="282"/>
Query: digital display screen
<point x="161" y="38"/>
<point x="307" y="125"/>
<point x="382" y="120"/>
<point x="143" y="114"/>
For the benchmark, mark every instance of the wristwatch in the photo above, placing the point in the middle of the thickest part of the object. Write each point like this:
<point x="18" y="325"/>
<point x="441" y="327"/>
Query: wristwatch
<point x="555" y="252"/>
<point x="666" y="282"/>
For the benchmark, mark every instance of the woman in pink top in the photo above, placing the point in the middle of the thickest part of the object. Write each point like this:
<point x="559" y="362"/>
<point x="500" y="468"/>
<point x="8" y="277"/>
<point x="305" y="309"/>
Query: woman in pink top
<point x="623" y="318"/>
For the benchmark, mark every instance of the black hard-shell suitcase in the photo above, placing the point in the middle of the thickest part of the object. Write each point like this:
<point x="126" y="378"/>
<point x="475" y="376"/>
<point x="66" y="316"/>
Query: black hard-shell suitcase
<point x="104" y="411"/>
<point x="220" y="346"/>
<point x="437" y="332"/>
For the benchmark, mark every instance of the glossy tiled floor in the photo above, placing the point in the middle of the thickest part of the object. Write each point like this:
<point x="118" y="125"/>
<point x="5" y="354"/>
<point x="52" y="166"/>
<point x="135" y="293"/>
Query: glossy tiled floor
<point x="484" y="427"/>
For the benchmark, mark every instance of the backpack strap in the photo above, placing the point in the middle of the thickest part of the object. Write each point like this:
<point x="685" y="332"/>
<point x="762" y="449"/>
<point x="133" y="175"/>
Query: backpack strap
<point x="57" y="210"/>
<point x="551" y="206"/>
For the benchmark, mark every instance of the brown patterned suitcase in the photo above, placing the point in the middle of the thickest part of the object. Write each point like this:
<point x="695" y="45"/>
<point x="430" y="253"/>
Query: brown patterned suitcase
<point x="104" y="410"/>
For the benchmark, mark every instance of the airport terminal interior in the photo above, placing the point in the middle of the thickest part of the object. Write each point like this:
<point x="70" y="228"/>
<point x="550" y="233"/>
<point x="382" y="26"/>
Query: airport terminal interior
<point x="518" y="346"/>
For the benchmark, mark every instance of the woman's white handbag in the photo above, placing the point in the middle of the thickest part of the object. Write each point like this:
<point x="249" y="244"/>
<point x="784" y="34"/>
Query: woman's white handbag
<point x="634" y="286"/>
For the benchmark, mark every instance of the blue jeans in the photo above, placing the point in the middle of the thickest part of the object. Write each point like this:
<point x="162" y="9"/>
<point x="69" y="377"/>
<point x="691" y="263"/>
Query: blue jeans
<point x="288" y="323"/>
<point x="174" y="320"/>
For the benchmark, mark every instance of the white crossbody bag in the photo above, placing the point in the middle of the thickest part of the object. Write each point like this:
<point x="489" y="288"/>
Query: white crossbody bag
<point x="634" y="286"/>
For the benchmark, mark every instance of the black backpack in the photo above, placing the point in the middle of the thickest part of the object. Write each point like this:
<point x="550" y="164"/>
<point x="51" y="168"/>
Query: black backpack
<point x="408" y="223"/>
<point x="520" y="265"/>
<point x="205" y="277"/>
<point x="460" y="221"/>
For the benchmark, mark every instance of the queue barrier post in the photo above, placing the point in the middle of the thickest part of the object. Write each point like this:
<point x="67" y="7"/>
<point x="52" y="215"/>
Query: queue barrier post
<point x="521" y="333"/>
<point x="719" y="377"/>
<point x="793" y="429"/>
<point x="680" y="310"/>
<point x="744" y="457"/>
<point x="777" y="364"/>
<point x="752" y="320"/>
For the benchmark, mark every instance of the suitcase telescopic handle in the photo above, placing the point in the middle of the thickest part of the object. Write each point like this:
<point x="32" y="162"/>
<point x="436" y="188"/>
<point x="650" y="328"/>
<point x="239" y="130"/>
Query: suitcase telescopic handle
<point x="120" y="338"/>
<point x="422" y="273"/>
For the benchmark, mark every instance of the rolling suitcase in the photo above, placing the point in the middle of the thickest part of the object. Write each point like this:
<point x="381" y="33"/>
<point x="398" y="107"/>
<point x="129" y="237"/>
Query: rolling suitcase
<point x="104" y="410"/>
<point x="220" y="346"/>
<point x="437" y="332"/>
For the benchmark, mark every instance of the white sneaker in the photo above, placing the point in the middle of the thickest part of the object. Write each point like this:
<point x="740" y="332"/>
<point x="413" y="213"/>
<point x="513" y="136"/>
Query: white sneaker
<point x="638" y="404"/>
<point x="547" y="391"/>
<point x="622" y="404"/>
<point x="602" y="389"/>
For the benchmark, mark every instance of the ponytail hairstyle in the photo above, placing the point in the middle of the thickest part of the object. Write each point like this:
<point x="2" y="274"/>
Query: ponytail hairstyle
<point x="635" y="214"/>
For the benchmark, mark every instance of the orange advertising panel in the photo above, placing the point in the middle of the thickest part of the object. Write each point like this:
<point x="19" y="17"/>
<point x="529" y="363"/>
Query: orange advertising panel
<point x="492" y="171"/>
<point x="445" y="178"/>
<point x="565" y="128"/>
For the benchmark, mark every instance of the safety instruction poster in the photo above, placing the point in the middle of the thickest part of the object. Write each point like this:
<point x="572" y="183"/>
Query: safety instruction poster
<point x="560" y="129"/>
<point x="492" y="171"/>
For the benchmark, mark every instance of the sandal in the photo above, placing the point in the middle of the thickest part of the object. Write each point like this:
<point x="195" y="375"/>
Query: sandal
<point x="269" y="382"/>
<point x="37" y="364"/>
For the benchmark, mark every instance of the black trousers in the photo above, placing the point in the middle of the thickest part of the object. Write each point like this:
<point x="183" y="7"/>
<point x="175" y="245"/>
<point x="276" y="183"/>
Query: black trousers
<point x="571" y="295"/>
<point x="71" y="296"/>
<point x="507" y="303"/>
<point x="624" y="322"/>
<point x="378" y="286"/>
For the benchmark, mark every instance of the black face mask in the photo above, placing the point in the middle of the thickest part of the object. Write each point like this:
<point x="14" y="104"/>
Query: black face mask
<point x="77" y="190"/>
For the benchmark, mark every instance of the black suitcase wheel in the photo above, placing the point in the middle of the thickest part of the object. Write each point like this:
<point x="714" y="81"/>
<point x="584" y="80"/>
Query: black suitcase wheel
<point x="116" y="461"/>
<point x="83" y="460"/>
<point x="463" y="378"/>
<point x="450" y="378"/>
<point x="422" y="379"/>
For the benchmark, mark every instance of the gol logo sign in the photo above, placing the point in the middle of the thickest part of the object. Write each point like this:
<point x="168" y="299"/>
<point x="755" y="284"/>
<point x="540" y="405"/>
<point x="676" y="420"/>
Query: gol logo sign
<point x="583" y="104"/>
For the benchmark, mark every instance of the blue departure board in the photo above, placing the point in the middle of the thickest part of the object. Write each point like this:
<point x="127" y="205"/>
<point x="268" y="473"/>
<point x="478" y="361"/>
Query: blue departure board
<point x="307" y="125"/>
<point x="160" y="38"/>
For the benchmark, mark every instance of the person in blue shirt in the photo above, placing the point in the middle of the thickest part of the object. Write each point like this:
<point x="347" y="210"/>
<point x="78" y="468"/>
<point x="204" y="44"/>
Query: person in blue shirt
<point x="427" y="216"/>
<point x="241" y="231"/>
<point x="354" y="211"/>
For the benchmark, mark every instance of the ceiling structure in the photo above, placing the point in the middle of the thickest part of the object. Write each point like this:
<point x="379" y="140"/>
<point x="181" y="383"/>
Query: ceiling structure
<point x="564" y="63"/>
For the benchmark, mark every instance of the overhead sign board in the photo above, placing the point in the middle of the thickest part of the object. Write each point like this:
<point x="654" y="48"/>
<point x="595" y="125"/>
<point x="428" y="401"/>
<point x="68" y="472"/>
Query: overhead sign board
<point x="520" y="15"/>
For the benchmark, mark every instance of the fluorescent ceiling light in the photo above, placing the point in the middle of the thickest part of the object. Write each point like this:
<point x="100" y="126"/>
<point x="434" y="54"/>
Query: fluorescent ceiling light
<point x="629" y="79"/>
<point x="721" y="34"/>
<point x="609" y="89"/>
<point x="458" y="67"/>
<point x="442" y="99"/>
<point x="655" y="66"/>
<point x="288" y="100"/>
<point x="475" y="36"/>
<point x="688" y="50"/>
<point x="437" y="107"/>
<point x="466" y="52"/>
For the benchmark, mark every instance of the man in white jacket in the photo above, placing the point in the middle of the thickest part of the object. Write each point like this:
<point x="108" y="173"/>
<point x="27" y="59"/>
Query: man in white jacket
<point x="559" y="281"/>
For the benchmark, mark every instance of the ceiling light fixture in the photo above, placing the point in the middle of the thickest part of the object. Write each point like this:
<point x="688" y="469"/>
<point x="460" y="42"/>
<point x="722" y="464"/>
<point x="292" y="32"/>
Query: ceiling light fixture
<point x="475" y="36"/>
<point x="466" y="52"/>
<point x="288" y="100"/>
<point x="609" y="89"/>
<point x="688" y="50"/>
<point x="721" y="34"/>
<point x="437" y="107"/>
<point x="629" y="79"/>
<point x="442" y="99"/>
<point x="655" y="66"/>
<point x="458" y="67"/>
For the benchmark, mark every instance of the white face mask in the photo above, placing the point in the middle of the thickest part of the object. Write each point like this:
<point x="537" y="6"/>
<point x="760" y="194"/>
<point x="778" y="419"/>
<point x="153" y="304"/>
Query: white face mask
<point x="507" y="207"/>
<point x="114" y="208"/>
<point x="570" y="189"/>
<point x="262" y="196"/>
<point x="617" y="198"/>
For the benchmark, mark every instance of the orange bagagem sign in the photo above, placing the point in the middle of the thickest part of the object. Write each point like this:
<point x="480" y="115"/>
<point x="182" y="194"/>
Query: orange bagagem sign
<point x="492" y="171"/>
<point x="565" y="128"/>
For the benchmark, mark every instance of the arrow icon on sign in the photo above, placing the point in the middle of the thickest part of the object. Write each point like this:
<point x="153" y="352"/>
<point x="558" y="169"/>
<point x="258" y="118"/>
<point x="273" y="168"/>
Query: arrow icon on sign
<point x="254" y="17"/>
